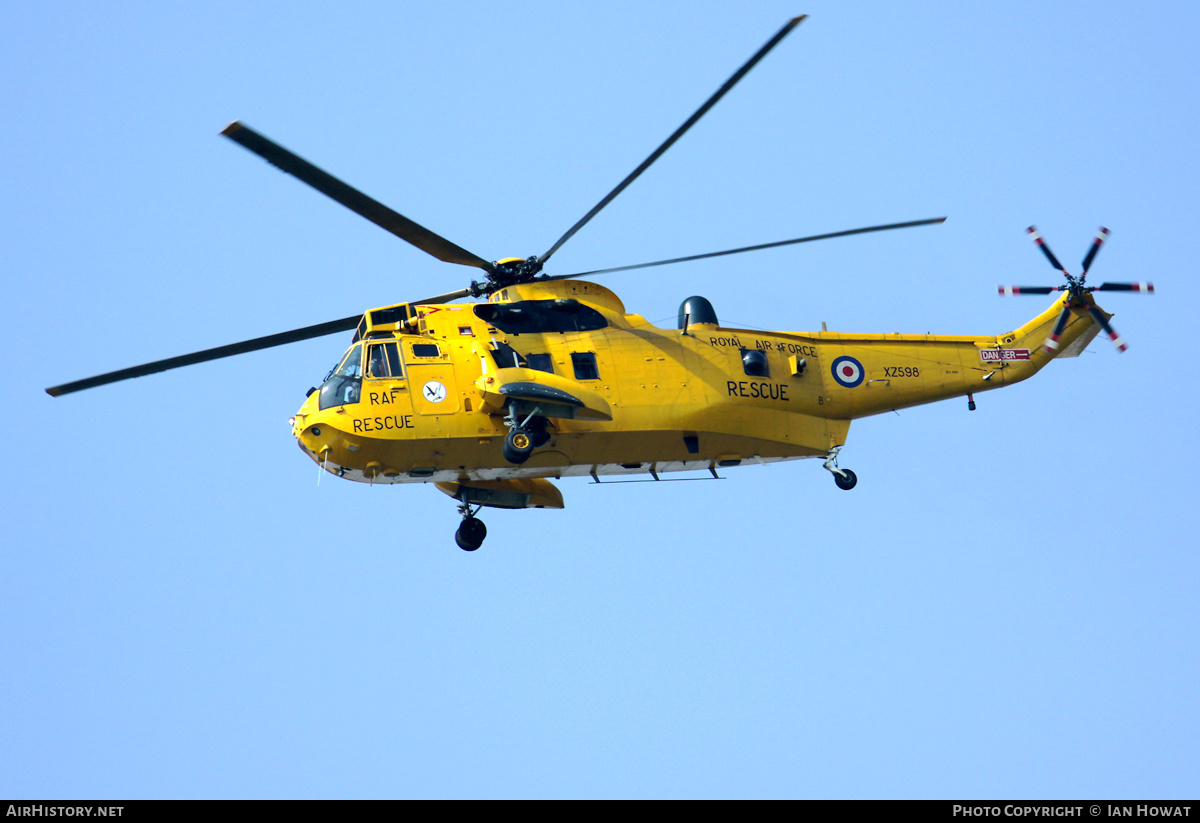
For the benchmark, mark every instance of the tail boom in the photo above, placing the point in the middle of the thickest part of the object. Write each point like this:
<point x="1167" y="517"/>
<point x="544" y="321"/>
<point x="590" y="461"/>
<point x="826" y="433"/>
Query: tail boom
<point x="900" y="371"/>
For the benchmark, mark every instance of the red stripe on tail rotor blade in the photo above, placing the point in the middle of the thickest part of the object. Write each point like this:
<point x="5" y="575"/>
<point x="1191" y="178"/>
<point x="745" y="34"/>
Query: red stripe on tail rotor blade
<point x="1109" y="330"/>
<point x="1051" y="344"/>
<point x="1101" y="236"/>
<point x="1041" y="244"/>
<point x="1009" y="291"/>
<point x="1143" y="287"/>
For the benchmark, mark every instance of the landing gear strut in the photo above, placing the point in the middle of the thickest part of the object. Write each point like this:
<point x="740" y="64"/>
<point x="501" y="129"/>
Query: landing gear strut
<point x="844" y="478"/>
<point x="471" y="531"/>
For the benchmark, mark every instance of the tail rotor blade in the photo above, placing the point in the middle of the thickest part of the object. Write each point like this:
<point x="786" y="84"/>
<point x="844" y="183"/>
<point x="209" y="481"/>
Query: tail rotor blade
<point x="1102" y="322"/>
<point x="1051" y="344"/>
<point x="1101" y="236"/>
<point x="1146" y="288"/>
<point x="1036" y="236"/>
<point x="1009" y="291"/>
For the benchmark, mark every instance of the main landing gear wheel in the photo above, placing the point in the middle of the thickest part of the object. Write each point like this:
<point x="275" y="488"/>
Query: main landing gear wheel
<point x="470" y="534"/>
<point x="518" y="445"/>
<point x="849" y="481"/>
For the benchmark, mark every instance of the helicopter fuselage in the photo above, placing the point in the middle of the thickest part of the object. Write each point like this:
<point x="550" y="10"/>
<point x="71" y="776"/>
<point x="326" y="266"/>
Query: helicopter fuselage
<point x="426" y="392"/>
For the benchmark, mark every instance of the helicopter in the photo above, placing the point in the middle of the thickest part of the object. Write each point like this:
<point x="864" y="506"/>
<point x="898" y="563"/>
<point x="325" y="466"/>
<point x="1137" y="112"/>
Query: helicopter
<point x="548" y="376"/>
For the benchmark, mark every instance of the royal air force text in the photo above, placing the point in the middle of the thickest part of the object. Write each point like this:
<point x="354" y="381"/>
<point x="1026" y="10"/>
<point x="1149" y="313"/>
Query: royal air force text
<point x="764" y="345"/>
<point x="759" y="388"/>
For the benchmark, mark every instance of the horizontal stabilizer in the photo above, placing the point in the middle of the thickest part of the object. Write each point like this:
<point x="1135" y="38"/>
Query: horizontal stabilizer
<point x="1080" y="343"/>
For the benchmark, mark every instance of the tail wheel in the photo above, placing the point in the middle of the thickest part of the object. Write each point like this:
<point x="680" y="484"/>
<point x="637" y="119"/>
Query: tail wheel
<point x="518" y="445"/>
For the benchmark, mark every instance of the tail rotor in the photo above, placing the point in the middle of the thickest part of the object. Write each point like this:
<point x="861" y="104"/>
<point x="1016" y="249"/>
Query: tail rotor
<point x="1078" y="290"/>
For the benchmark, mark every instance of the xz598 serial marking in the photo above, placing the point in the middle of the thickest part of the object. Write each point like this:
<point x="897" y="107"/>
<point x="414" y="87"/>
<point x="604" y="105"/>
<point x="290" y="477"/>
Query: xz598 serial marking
<point x="901" y="371"/>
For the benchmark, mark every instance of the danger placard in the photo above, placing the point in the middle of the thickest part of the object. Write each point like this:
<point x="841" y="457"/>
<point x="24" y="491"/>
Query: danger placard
<point x="1001" y="355"/>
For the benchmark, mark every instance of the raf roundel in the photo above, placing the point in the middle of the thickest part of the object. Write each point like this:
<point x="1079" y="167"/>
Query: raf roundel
<point x="847" y="372"/>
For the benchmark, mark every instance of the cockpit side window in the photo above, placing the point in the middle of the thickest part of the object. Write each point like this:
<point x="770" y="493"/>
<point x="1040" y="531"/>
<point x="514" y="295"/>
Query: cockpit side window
<point x="383" y="360"/>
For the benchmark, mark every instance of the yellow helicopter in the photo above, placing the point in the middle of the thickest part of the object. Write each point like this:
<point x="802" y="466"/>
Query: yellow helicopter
<point x="551" y="377"/>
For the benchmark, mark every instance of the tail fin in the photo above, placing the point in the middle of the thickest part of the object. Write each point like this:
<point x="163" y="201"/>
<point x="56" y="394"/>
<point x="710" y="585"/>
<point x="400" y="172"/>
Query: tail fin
<point x="1063" y="330"/>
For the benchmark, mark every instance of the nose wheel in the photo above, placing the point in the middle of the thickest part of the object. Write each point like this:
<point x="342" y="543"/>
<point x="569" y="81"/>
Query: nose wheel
<point x="471" y="532"/>
<point x="844" y="478"/>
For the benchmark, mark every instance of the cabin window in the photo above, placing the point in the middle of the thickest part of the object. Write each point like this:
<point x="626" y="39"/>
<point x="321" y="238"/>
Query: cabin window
<point x="426" y="350"/>
<point x="344" y="384"/>
<point x="755" y="363"/>
<point x="383" y="360"/>
<point x="584" y="364"/>
<point x="541" y="362"/>
<point x="505" y="356"/>
<point x="541" y="316"/>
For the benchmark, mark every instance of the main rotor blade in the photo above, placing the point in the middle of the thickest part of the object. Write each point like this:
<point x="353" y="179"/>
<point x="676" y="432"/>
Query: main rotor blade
<point x="442" y="298"/>
<point x="319" y="330"/>
<point x="754" y="248"/>
<point x="353" y="199"/>
<point x="679" y="132"/>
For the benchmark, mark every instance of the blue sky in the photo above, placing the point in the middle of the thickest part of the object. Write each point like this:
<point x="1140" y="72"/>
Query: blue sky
<point x="1005" y="606"/>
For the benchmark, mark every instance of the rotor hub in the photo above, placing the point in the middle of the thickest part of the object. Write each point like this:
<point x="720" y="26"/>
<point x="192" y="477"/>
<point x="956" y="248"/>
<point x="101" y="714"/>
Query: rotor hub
<point x="511" y="271"/>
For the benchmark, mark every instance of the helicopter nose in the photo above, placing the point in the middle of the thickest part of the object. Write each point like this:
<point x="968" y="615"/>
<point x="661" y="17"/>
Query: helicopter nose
<point x="309" y="434"/>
